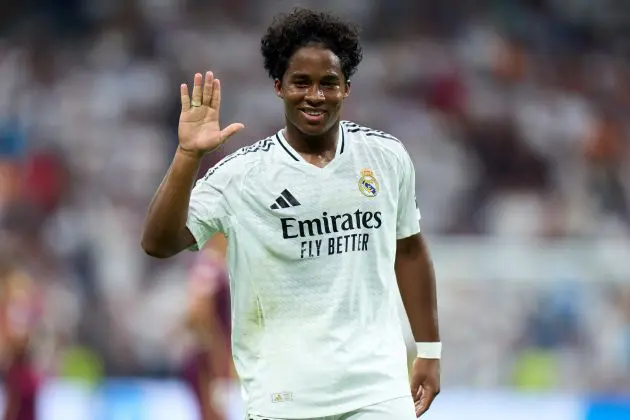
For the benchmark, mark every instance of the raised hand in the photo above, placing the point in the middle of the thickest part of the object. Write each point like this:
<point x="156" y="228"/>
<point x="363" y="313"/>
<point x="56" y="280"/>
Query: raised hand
<point x="199" y="129"/>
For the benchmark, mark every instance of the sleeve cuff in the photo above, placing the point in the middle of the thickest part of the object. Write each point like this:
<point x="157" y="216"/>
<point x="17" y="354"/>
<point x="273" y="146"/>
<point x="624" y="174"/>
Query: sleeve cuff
<point x="198" y="233"/>
<point x="409" y="231"/>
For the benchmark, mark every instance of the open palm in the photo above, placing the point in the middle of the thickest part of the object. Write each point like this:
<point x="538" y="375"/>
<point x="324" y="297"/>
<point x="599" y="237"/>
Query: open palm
<point x="199" y="129"/>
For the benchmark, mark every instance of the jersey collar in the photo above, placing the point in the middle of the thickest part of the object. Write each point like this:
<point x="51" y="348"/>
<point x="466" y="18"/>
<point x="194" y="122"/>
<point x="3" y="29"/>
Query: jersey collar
<point x="295" y="156"/>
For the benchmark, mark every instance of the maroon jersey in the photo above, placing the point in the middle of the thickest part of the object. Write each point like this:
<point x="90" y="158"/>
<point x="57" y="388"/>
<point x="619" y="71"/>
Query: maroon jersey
<point x="20" y="312"/>
<point x="22" y="382"/>
<point x="209" y="283"/>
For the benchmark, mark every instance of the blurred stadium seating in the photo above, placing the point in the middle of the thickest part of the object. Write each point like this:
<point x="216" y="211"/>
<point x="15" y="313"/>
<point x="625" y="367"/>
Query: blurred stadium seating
<point x="515" y="113"/>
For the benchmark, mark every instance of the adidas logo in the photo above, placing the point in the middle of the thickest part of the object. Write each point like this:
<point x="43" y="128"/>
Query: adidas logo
<point x="285" y="200"/>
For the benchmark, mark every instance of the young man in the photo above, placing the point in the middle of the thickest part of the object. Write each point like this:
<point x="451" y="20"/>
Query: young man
<point x="321" y="222"/>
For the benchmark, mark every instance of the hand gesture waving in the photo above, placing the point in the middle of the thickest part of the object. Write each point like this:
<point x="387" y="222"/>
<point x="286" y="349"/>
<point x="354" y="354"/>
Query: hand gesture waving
<point x="199" y="130"/>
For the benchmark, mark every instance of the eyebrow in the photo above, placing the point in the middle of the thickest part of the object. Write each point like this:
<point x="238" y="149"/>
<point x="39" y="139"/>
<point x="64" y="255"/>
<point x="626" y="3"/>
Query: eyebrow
<point x="308" y="76"/>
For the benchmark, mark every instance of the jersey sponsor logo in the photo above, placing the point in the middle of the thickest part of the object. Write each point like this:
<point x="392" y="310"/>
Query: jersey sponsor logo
<point x="327" y="224"/>
<point x="349" y="227"/>
<point x="368" y="185"/>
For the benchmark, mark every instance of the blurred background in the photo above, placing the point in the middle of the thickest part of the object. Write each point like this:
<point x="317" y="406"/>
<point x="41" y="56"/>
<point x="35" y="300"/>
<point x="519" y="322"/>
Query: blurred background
<point x="515" y="113"/>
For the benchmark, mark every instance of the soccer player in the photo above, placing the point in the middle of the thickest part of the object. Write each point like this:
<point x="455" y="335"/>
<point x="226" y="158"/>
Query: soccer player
<point x="321" y="223"/>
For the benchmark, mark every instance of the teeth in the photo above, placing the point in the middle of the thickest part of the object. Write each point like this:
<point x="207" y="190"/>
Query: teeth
<point x="313" y="112"/>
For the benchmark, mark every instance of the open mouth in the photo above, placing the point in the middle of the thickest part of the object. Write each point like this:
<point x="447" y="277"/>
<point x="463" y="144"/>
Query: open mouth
<point x="313" y="115"/>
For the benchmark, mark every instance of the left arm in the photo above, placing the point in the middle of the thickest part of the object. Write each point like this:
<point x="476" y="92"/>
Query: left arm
<point x="416" y="281"/>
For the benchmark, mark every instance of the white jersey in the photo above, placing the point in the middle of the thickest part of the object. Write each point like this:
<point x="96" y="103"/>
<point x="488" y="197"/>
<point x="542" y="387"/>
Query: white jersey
<point x="316" y="330"/>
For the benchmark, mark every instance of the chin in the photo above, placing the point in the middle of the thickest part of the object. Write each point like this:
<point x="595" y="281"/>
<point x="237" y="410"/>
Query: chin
<point x="311" y="130"/>
<point x="315" y="129"/>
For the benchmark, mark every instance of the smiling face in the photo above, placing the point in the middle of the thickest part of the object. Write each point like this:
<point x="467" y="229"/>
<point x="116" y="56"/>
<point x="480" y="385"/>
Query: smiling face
<point x="313" y="90"/>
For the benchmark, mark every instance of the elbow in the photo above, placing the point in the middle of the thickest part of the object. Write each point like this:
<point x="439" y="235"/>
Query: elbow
<point x="161" y="244"/>
<point x="157" y="253"/>
<point x="153" y="249"/>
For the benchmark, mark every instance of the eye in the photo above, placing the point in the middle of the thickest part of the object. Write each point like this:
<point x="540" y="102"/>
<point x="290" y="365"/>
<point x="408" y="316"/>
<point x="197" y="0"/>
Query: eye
<point x="330" y="83"/>
<point x="301" y="83"/>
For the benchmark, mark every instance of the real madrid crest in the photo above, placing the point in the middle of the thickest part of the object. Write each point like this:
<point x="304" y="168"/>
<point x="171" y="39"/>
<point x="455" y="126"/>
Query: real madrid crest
<point x="368" y="185"/>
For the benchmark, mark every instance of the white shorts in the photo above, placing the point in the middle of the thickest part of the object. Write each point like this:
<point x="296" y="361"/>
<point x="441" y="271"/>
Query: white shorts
<point x="396" y="409"/>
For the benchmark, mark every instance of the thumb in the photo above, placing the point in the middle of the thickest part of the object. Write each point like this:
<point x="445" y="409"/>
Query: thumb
<point x="415" y="388"/>
<point x="230" y="130"/>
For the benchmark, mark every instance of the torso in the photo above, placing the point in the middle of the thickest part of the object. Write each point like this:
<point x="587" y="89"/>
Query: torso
<point x="311" y="255"/>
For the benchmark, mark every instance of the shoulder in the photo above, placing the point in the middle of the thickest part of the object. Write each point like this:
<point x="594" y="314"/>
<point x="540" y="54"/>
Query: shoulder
<point x="241" y="161"/>
<point x="378" y="140"/>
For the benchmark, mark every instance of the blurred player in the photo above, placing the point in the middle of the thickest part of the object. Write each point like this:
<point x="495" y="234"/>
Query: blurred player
<point x="19" y="308"/>
<point x="208" y="366"/>
<point x="321" y="223"/>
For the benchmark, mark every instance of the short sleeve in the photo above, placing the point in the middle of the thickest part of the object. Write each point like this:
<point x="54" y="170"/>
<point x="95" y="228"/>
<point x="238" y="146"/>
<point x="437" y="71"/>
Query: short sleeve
<point x="209" y="207"/>
<point x="408" y="217"/>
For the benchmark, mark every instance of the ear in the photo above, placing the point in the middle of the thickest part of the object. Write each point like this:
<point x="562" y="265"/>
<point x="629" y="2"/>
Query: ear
<point x="277" y="86"/>
<point x="347" y="92"/>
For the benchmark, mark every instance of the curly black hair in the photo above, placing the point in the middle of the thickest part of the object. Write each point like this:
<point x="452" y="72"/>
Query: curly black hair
<point x="289" y="32"/>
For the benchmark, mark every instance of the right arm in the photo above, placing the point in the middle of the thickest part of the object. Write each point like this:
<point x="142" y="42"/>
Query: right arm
<point x="165" y="233"/>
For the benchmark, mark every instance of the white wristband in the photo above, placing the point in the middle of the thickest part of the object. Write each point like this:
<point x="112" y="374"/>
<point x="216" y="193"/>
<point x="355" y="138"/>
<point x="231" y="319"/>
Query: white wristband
<point x="429" y="350"/>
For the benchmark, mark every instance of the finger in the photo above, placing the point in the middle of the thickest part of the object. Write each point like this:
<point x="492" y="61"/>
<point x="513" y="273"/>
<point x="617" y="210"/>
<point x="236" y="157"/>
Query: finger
<point x="230" y="130"/>
<point x="183" y="91"/>
<point x="427" y="397"/>
<point x="415" y="392"/>
<point x="215" y="103"/>
<point x="416" y="396"/>
<point x="196" y="93"/>
<point x="418" y="409"/>
<point x="207" y="88"/>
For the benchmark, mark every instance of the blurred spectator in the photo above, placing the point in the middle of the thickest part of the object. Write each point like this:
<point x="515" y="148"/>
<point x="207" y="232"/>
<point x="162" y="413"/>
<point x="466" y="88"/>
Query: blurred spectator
<point x="207" y="366"/>
<point x="20" y="314"/>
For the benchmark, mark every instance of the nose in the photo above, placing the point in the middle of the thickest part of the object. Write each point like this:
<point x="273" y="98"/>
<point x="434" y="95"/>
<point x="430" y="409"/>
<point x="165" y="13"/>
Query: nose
<point x="315" y="94"/>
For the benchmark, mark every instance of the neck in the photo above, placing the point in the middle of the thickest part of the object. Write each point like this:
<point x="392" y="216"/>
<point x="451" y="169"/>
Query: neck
<point x="305" y="144"/>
